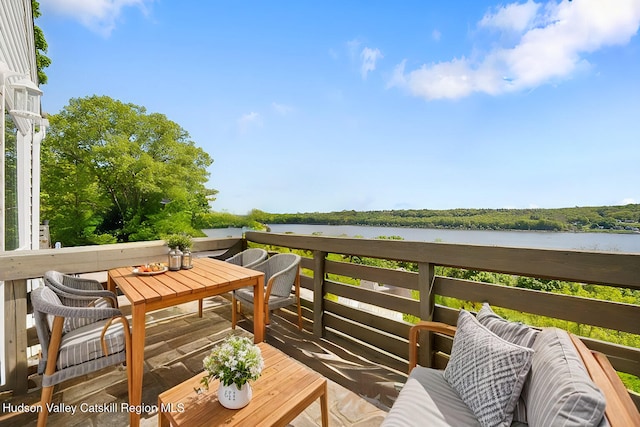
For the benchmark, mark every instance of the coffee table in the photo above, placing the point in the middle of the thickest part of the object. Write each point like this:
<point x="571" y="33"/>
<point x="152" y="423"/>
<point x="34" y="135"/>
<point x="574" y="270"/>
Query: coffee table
<point x="285" y="388"/>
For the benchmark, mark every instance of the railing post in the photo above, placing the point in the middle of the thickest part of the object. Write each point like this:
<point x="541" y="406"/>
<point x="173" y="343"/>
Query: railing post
<point x="318" y="293"/>
<point x="15" y="335"/>
<point x="426" y="275"/>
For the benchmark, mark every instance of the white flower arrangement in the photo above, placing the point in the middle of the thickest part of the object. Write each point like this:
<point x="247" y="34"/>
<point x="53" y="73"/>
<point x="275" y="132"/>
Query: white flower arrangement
<point x="237" y="360"/>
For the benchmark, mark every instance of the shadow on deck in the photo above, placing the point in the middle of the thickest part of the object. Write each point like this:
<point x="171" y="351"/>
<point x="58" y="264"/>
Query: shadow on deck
<point x="360" y="392"/>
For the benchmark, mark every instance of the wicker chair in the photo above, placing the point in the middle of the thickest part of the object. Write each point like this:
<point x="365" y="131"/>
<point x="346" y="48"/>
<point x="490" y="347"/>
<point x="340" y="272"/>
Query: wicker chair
<point x="63" y="284"/>
<point x="249" y="257"/>
<point x="281" y="274"/>
<point x="75" y="341"/>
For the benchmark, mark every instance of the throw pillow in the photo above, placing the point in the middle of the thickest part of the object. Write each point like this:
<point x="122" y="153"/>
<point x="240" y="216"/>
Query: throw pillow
<point x="487" y="371"/>
<point x="515" y="332"/>
<point x="560" y="391"/>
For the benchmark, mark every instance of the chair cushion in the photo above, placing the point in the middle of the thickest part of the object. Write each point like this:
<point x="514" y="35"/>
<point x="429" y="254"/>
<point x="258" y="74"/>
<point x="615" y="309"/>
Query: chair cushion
<point x="428" y="399"/>
<point x="560" y="391"/>
<point x="245" y="295"/>
<point x="83" y="344"/>
<point x="487" y="371"/>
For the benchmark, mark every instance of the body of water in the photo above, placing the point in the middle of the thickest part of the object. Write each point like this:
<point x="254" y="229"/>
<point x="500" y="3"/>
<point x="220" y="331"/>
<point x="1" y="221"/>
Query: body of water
<point x="608" y="242"/>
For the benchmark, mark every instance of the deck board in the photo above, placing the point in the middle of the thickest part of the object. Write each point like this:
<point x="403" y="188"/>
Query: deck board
<point x="177" y="341"/>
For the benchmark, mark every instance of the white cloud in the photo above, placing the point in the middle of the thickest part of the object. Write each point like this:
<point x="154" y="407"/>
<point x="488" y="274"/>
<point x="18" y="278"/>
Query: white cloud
<point x="369" y="58"/>
<point x="628" y="201"/>
<point x="249" y="120"/>
<point x="282" y="109"/>
<point x="436" y="35"/>
<point x="352" y="49"/>
<point x="550" y="42"/>
<point x="99" y="16"/>
<point x="512" y="17"/>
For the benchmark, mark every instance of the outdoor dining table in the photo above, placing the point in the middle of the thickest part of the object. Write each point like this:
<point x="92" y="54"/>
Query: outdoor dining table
<point x="146" y="293"/>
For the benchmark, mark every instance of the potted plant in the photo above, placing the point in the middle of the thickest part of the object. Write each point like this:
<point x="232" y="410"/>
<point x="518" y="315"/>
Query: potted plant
<point x="180" y="253"/>
<point x="235" y="362"/>
<point x="179" y="241"/>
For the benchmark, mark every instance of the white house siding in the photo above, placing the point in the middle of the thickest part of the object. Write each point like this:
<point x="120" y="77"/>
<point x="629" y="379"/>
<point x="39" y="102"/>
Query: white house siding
<point x="17" y="54"/>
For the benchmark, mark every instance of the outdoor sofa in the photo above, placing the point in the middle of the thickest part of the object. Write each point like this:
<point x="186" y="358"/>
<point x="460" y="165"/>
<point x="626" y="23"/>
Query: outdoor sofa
<point x="503" y="373"/>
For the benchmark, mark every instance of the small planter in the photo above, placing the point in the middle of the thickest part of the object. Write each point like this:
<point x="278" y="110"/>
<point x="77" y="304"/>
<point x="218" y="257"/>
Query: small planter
<point x="231" y="397"/>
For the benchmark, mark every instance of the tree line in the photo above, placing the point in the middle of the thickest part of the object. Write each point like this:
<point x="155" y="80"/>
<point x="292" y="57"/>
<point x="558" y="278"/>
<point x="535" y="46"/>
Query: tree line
<point x="599" y="218"/>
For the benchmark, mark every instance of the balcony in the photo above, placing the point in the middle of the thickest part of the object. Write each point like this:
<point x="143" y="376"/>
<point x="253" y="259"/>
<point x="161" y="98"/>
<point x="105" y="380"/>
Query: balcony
<point x="354" y="336"/>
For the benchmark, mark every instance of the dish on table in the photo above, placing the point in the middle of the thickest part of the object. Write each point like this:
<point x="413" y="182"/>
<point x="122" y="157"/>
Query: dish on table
<point x="150" y="269"/>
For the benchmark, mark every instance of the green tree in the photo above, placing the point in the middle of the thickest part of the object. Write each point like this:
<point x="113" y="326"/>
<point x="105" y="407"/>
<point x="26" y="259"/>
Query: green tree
<point x="42" y="60"/>
<point x="113" y="173"/>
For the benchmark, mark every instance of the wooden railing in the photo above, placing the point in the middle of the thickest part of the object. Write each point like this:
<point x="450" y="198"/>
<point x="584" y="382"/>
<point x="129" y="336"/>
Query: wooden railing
<point x="384" y="340"/>
<point x="379" y="338"/>
<point x="17" y="267"/>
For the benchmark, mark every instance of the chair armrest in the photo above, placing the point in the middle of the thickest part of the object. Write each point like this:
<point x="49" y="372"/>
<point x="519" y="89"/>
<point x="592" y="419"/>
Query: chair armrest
<point x="422" y="326"/>
<point x="620" y="409"/>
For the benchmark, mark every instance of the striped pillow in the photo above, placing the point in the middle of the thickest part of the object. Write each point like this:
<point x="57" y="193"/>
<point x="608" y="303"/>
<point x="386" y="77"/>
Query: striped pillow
<point x="560" y="392"/>
<point x="487" y="371"/>
<point x="515" y="332"/>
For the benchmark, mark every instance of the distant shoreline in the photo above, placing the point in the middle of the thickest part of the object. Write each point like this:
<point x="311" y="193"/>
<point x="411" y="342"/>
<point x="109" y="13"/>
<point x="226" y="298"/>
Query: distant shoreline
<point x="606" y="231"/>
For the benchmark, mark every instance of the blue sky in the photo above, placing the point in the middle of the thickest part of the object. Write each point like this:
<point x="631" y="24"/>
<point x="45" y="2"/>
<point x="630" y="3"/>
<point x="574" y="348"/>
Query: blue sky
<point x="366" y="105"/>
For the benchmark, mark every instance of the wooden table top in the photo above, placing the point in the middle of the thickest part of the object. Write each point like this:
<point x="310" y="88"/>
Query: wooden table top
<point x="207" y="276"/>
<point x="285" y="388"/>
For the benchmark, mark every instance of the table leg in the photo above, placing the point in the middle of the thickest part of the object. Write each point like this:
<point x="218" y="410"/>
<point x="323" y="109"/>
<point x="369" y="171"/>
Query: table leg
<point x="258" y="310"/>
<point x="163" y="420"/>
<point x="324" y="406"/>
<point x="138" y="313"/>
<point x="111" y="284"/>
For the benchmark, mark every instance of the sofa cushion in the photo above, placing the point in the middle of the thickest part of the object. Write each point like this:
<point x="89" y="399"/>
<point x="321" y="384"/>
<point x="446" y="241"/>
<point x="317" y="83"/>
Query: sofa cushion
<point x="487" y="371"/>
<point x="427" y="399"/>
<point x="560" y="391"/>
<point x="515" y="332"/>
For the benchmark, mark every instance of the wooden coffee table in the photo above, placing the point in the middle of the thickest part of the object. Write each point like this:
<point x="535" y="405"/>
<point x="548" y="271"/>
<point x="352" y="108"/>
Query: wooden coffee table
<point x="285" y="388"/>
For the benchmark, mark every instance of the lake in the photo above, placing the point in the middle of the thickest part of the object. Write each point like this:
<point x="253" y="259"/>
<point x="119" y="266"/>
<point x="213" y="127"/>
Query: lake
<point x="608" y="242"/>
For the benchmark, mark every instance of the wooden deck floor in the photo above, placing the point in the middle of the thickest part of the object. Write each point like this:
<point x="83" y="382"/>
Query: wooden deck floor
<point x="360" y="392"/>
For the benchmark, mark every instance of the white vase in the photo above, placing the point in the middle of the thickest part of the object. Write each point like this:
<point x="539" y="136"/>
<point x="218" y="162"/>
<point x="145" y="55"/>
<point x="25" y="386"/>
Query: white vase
<point x="231" y="397"/>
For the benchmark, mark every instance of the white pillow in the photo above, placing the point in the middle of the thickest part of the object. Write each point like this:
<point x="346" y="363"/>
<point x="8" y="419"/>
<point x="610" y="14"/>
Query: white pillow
<point x="487" y="372"/>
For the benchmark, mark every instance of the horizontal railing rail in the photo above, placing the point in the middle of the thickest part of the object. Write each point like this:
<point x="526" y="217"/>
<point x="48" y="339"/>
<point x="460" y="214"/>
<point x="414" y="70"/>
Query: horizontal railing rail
<point x="384" y="338"/>
<point x="17" y="267"/>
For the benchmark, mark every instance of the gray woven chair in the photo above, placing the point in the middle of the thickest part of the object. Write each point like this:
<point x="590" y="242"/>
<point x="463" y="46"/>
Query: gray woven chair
<point x="249" y="257"/>
<point x="76" y="341"/>
<point x="77" y="286"/>
<point x="281" y="275"/>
